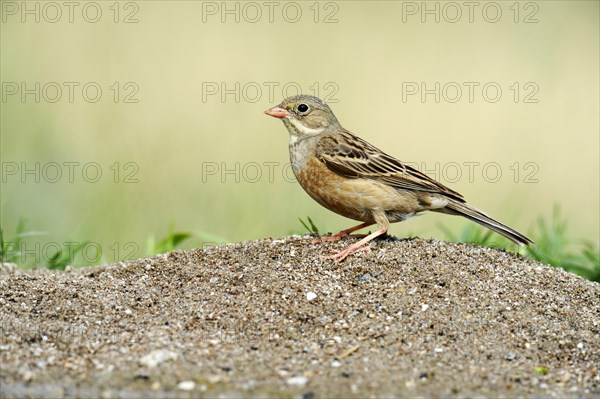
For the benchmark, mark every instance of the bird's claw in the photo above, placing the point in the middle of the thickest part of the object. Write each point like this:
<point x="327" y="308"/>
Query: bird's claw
<point x="339" y="256"/>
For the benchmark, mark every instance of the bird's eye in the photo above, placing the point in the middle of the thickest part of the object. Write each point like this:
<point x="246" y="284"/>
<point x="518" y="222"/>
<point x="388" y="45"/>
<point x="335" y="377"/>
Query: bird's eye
<point x="302" y="108"/>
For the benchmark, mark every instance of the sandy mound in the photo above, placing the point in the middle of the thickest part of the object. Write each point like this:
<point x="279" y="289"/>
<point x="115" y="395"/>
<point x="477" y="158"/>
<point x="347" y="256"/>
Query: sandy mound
<point x="268" y="318"/>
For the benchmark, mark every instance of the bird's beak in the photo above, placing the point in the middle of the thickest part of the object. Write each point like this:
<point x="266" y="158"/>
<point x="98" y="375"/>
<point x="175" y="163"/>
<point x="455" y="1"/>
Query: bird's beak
<point x="277" y="112"/>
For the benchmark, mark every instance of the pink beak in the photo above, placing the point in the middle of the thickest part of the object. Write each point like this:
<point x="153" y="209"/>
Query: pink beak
<point x="277" y="112"/>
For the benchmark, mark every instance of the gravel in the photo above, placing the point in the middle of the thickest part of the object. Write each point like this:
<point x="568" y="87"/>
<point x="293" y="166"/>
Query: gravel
<point x="269" y="318"/>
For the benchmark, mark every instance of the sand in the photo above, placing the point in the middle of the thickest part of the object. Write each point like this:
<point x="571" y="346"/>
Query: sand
<point x="269" y="318"/>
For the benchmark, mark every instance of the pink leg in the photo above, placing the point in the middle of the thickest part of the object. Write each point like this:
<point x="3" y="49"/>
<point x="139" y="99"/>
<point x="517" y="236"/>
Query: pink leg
<point x="343" y="233"/>
<point x="356" y="247"/>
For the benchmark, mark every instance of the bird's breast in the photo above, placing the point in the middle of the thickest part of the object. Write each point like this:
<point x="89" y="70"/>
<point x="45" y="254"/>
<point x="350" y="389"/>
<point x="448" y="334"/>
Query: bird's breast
<point x="300" y="153"/>
<point x="352" y="198"/>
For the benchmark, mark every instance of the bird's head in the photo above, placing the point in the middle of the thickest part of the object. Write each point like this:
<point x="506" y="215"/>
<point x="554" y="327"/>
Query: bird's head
<point x="305" y="115"/>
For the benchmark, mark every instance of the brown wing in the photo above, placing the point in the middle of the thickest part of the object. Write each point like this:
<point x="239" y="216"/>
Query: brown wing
<point x="352" y="157"/>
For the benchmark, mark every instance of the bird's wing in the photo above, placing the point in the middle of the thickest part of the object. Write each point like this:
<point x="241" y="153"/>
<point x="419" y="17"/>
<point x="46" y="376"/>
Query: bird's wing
<point x="352" y="157"/>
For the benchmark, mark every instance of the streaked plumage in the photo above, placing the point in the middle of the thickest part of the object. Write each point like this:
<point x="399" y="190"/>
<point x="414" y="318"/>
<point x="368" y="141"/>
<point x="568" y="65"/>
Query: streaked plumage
<point x="353" y="178"/>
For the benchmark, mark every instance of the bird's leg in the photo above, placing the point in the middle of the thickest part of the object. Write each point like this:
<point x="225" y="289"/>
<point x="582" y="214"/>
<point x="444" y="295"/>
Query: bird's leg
<point x="343" y="233"/>
<point x="356" y="247"/>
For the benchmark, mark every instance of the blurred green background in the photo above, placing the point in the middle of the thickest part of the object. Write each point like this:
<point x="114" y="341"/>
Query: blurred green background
<point x="180" y="139"/>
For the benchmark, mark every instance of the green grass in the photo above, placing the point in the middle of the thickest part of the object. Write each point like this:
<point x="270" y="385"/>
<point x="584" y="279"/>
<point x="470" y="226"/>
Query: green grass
<point x="16" y="250"/>
<point x="11" y="250"/>
<point x="174" y="239"/>
<point x="311" y="228"/>
<point x="552" y="245"/>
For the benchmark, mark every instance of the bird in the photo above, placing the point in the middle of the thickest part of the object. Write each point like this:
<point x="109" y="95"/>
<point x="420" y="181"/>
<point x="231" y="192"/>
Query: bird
<point x="355" y="179"/>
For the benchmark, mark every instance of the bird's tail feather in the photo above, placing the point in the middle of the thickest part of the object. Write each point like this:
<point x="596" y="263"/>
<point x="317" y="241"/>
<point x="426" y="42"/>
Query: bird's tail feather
<point x="477" y="216"/>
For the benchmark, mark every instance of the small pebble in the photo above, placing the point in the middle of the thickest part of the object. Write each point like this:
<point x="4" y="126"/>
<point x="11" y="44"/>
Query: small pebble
<point x="308" y="395"/>
<point x="310" y="296"/>
<point x="186" y="385"/>
<point x="298" y="381"/>
<point x="157" y="357"/>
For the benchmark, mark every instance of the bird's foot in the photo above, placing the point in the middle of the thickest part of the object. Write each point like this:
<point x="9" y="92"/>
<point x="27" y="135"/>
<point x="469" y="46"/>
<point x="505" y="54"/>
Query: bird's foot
<point x="339" y="256"/>
<point x="357" y="246"/>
